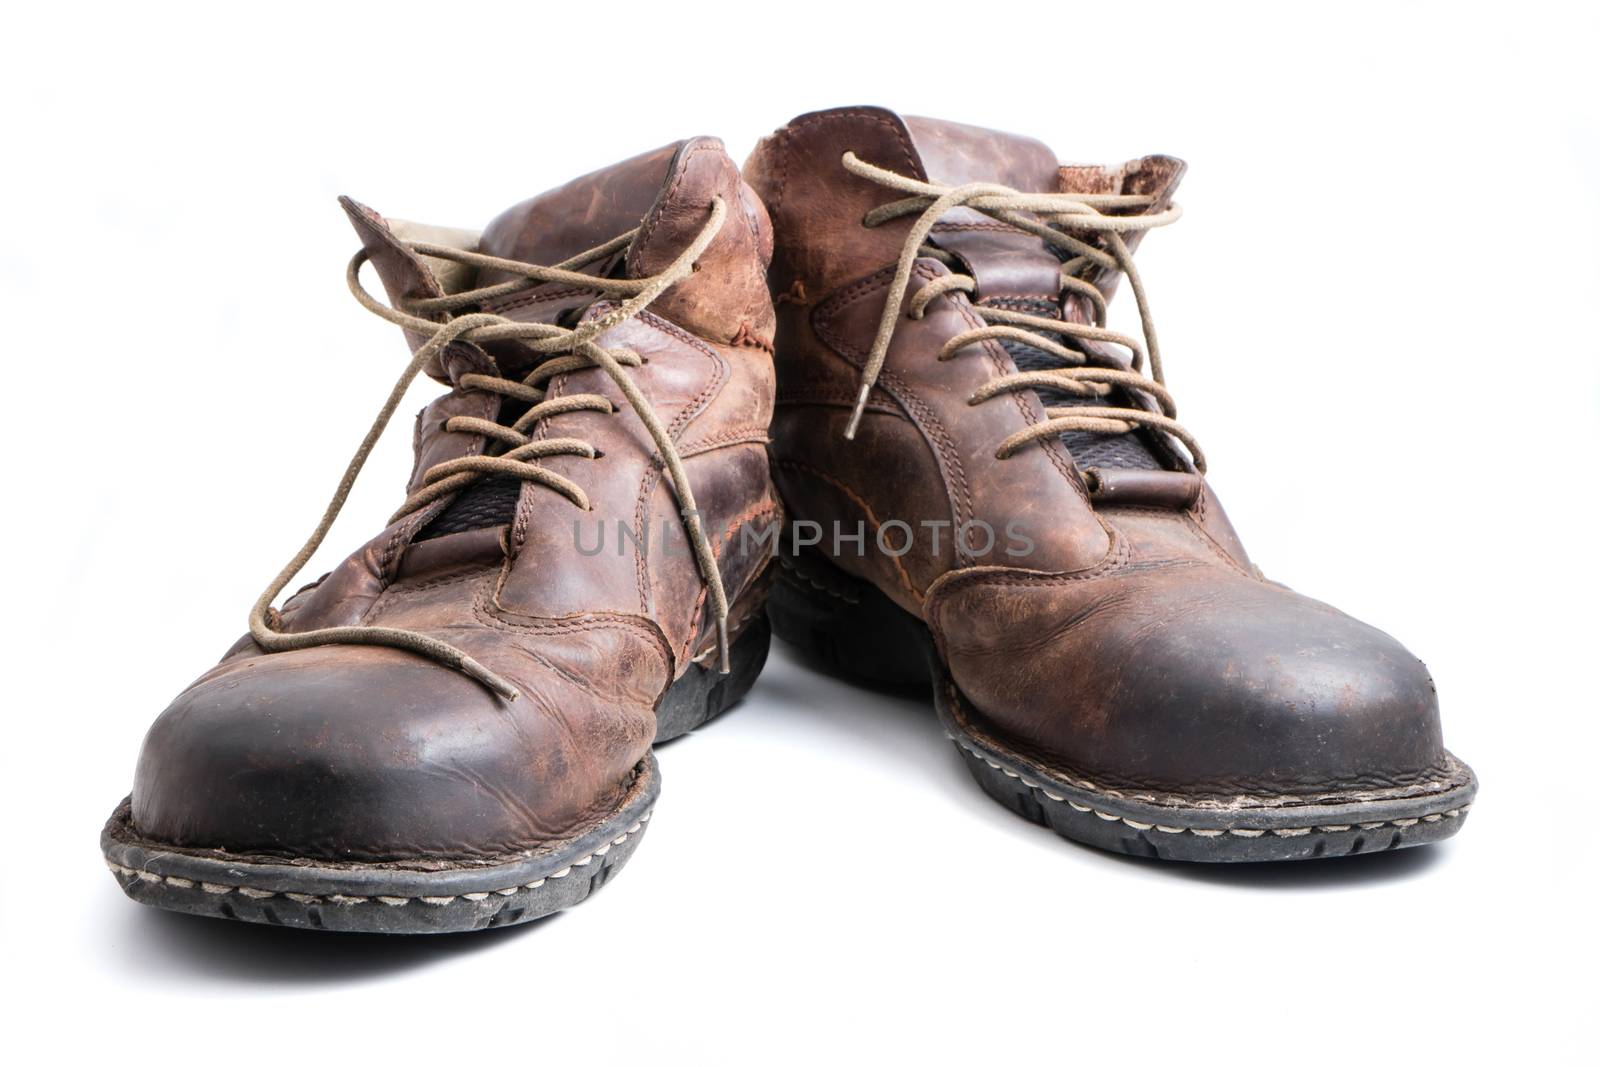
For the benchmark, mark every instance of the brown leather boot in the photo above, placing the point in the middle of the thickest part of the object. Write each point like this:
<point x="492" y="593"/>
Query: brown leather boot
<point x="986" y="484"/>
<point x="453" y="729"/>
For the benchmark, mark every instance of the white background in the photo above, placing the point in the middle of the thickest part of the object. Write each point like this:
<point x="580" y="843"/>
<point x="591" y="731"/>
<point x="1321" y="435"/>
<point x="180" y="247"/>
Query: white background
<point x="1378" y="315"/>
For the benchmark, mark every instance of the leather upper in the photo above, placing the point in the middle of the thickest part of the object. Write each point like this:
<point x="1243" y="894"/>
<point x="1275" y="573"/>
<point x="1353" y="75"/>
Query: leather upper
<point x="1125" y="634"/>
<point x="352" y="752"/>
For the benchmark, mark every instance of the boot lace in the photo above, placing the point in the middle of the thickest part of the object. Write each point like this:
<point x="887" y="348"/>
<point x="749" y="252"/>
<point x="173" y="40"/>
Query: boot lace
<point x="1075" y="223"/>
<point x="512" y="451"/>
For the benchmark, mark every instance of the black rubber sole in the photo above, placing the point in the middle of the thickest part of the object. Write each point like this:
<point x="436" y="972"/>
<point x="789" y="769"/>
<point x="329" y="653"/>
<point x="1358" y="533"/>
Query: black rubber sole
<point x="849" y="627"/>
<point x="433" y="897"/>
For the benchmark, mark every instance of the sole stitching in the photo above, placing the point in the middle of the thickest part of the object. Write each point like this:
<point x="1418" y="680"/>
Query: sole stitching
<point x="1286" y="831"/>
<point x="250" y="892"/>
<point x="799" y="575"/>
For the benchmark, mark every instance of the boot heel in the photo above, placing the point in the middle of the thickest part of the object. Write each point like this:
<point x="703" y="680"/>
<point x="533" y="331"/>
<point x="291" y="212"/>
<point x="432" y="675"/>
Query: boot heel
<point x="845" y="625"/>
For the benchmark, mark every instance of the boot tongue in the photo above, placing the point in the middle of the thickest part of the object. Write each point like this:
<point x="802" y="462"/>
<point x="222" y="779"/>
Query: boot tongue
<point x="1153" y="176"/>
<point x="661" y="193"/>
<point x="955" y="154"/>
<point x="1007" y="264"/>
<point x="546" y="230"/>
<point x="1016" y="270"/>
<point x="565" y="221"/>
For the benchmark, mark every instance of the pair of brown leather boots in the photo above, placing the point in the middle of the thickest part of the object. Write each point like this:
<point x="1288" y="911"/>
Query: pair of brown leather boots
<point x="864" y="395"/>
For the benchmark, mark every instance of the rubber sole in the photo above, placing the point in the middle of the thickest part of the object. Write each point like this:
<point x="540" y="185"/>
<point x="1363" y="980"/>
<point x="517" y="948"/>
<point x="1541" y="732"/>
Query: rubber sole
<point x="848" y="627"/>
<point x="428" y="897"/>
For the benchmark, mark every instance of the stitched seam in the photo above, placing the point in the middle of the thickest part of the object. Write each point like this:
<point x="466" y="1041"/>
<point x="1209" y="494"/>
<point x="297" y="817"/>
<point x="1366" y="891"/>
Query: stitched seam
<point x="653" y="220"/>
<point x="828" y="309"/>
<point x="788" y="134"/>
<point x="1216" y="549"/>
<point x="1281" y="831"/>
<point x="488" y="614"/>
<point x="899" y="390"/>
<point x="950" y="584"/>
<point x="529" y="299"/>
<point x="220" y="889"/>
<point x="397" y="595"/>
<point x="739" y="616"/>
<point x="745" y="339"/>
<point x="1119" y="555"/>
<point x="767" y="507"/>
<point x="800" y="576"/>
<point x="746" y="435"/>
<point x="1441" y="778"/>
<point x="834" y="398"/>
<point x="755" y="270"/>
<point x="691" y="410"/>
<point x="872" y="519"/>
<point x="1001" y="360"/>
<point x="502" y="620"/>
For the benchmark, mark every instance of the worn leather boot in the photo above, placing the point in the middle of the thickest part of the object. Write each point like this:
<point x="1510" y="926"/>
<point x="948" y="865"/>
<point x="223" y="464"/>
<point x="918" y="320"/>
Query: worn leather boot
<point x="988" y="486"/>
<point x="453" y="729"/>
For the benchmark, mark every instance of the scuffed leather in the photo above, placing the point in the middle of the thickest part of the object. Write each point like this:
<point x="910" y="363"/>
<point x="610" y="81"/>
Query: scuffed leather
<point x="1187" y="676"/>
<point x="1136" y="643"/>
<point x="363" y="753"/>
<point x="372" y="754"/>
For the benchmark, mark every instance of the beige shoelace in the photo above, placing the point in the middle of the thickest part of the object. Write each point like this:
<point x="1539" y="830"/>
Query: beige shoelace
<point x="1049" y="216"/>
<point x="580" y="351"/>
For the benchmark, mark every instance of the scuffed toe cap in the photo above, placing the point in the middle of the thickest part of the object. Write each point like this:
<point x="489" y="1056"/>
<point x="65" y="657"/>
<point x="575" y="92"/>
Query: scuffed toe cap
<point x="1194" y="680"/>
<point x="366" y="754"/>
